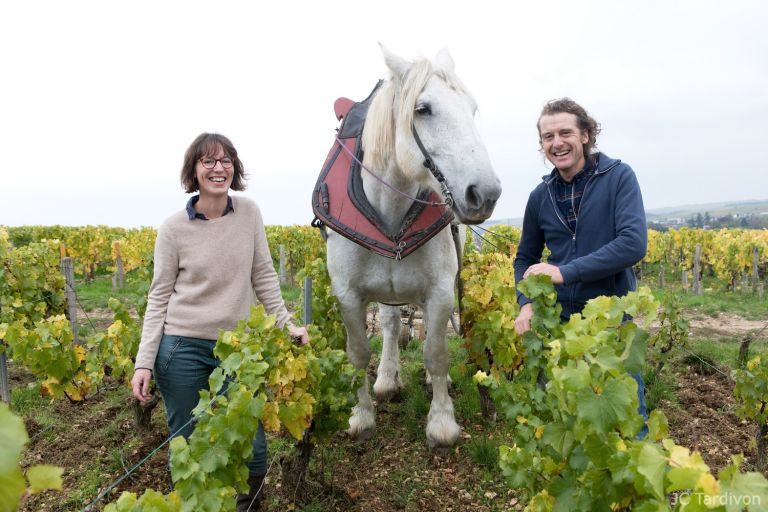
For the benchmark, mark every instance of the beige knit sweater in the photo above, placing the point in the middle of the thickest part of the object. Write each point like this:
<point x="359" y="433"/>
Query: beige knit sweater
<point x="206" y="273"/>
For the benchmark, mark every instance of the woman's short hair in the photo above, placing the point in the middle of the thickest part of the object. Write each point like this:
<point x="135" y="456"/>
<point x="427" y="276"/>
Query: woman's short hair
<point x="208" y="144"/>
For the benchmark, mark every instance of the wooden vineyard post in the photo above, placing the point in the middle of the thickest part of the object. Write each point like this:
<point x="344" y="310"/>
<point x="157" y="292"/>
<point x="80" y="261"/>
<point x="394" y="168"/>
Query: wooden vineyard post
<point x="118" y="280"/>
<point x="697" y="288"/>
<point x="307" y="300"/>
<point x="661" y="276"/>
<point x="745" y="288"/>
<point x="755" y="273"/>
<point x="295" y="467"/>
<point x="69" y="276"/>
<point x="5" y="387"/>
<point x="684" y="277"/>
<point x="282" y="266"/>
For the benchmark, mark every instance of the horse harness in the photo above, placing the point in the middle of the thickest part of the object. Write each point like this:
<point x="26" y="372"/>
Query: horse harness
<point x="339" y="201"/>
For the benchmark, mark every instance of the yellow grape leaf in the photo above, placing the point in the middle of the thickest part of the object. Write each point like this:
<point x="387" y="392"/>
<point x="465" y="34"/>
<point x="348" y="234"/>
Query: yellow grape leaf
<point x="49" y="386"/>
<point x="80" y="353"/>
<point x="114" y="330"/>
<point x="539" y="432"/>
<point x="681" y="457"/>
<point x="708" y="484"/>
<point x="269" y="418"/>
<point x="297" y="368"/>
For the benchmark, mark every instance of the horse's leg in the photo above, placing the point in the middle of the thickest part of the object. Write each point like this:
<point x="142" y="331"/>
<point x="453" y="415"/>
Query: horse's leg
<point x="388" y="383"/>
<point x="362" y="423"/>
<point x="429" y="376"/>
<point x="442" y="429"/>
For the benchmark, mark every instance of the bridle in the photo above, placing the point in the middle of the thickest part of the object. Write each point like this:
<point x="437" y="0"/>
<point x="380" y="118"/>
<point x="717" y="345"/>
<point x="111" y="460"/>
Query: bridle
<point x="428" y="163"/>
<point x="432" y="166"/>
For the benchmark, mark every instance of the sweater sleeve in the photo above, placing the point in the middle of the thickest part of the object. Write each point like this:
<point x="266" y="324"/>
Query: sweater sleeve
<point x="265" y="282"/>
<point x="630" y="241"/>
<point x="163" y="281"/>
<point x="531" y="245"/>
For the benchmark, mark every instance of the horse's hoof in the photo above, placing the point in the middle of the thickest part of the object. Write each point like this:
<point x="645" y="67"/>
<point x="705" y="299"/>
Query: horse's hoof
<point x="362" y="424"/>
<point x="361" y="436"/>
<point x="388" y="394"/>
<point x="442" y="433"/>
<point x="440" y="451"/>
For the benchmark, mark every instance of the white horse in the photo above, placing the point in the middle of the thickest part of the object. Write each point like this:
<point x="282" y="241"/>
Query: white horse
<point x="424" y="98"/>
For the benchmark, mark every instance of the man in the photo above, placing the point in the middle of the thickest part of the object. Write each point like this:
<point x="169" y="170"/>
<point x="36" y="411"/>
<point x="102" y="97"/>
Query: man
<point x="589" y="213"/>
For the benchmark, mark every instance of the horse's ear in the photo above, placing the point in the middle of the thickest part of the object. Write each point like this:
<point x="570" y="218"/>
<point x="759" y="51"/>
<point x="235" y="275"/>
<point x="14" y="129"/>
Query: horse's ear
<point x="396" y="64"/>
<point x="444" y="61"/>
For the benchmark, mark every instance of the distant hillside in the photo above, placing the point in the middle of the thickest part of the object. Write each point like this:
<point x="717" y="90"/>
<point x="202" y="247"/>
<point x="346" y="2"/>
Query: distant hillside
<point x="735" y="208"/>
<point x="678" y="215"/>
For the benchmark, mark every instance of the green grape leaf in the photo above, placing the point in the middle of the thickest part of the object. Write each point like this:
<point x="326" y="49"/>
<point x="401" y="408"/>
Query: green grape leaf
<point x="13" y="437"/>
<point x="12" y="486"/>
<point x="559" y="437"/>
<point x="746" y="489"/>
<point x="613" y="408"/>
<point x="658" y="427"/>
<point x="652" y="464"/>
<point x="44" y="477"/>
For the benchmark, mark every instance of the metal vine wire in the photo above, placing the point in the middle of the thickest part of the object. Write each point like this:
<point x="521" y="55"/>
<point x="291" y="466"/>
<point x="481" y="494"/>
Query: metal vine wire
<point x="497" y="234"/>
<point x="77" y="299"/>
<point x="485" y="239"/>
<point x="136" y="466"/>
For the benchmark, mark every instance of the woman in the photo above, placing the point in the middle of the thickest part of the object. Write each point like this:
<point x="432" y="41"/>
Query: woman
<point x="210" y="258"/>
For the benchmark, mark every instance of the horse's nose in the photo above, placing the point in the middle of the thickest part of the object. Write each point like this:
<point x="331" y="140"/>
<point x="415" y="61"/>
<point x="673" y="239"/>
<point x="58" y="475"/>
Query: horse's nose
<point x="482" y="201"/>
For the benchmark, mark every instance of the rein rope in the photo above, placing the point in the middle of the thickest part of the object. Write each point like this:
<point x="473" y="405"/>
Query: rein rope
<point x="428" y="163"/>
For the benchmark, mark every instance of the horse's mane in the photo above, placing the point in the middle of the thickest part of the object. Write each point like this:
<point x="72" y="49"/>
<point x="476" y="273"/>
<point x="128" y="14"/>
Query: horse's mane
<point x="395" y="102"/>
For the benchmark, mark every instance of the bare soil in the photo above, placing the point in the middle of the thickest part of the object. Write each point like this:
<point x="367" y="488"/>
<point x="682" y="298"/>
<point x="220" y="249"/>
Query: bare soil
<point x="97" y="441"/>
<point x="726" y="325"/>
<point x="704" y="420"/>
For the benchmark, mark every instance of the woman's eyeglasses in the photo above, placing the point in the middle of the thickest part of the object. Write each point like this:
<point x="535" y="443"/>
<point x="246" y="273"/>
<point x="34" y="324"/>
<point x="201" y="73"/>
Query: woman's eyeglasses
<point x="210" y="163"/>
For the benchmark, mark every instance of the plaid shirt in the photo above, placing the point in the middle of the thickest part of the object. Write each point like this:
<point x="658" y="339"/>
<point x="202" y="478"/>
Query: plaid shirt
<point x="568" y="195"/>
<point x="194" y="214"/>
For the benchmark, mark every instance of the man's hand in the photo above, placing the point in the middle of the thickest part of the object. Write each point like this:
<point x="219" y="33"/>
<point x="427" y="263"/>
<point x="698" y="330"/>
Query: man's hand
<point x="299" y="333"/>
<point x="523" y="320"/>
<point x="140" y="384"/>
<point x="546" y="269"/>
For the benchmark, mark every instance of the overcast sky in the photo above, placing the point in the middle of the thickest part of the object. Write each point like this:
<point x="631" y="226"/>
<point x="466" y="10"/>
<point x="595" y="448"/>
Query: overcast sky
<point x="100" y="99"/>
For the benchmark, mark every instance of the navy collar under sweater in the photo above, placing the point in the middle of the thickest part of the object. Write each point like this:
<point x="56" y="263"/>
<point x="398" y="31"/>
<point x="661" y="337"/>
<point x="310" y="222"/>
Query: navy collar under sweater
<point x="568" y="194"/>
<point x="194" y="214"/>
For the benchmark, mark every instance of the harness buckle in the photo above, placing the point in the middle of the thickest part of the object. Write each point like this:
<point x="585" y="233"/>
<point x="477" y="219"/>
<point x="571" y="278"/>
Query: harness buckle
<point x="399" y="253"/>
<point x="446" y="194"/>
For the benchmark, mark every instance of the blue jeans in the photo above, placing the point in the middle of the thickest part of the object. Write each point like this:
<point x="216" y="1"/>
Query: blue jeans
<point x="182" y="368"/>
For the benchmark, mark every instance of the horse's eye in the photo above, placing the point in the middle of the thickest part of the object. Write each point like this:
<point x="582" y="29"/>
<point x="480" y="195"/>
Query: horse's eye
<point x="424" y="109"/>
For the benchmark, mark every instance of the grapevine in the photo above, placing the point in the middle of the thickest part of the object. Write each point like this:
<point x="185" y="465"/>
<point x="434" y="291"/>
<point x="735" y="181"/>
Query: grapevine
<point x="575" y="445"/>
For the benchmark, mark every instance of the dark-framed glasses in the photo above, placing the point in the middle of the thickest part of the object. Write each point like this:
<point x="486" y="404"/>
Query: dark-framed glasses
<point x="210" y="163"/>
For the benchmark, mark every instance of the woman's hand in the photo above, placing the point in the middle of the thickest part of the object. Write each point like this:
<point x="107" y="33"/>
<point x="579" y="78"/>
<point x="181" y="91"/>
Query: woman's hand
<point x="299" y="333"/>
<point x="140" y="384"/>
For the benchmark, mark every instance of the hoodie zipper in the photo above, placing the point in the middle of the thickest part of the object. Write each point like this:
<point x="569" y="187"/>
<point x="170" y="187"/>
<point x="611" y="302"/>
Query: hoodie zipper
<point x="563" y="222"/>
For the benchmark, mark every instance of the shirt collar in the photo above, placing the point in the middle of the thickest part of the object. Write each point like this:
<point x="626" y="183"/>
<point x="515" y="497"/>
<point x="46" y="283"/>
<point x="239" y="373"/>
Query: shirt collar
<point x="588" y="170"/>
<point x="193" y="214"/>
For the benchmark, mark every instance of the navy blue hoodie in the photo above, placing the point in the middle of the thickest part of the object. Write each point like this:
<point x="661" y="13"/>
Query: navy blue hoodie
<point x="610" y="236"/>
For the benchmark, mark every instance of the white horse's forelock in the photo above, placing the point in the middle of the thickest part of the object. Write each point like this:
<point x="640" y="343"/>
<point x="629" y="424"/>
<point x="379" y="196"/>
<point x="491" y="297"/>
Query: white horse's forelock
<point x="395" y="102"/>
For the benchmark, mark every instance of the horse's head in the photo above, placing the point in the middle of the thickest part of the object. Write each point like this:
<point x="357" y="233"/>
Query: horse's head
<point x="424" y="112"/>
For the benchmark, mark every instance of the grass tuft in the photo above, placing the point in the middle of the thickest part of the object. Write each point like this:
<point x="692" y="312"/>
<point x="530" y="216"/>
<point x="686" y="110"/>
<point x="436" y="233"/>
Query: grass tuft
<point x="484" y="451"/>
